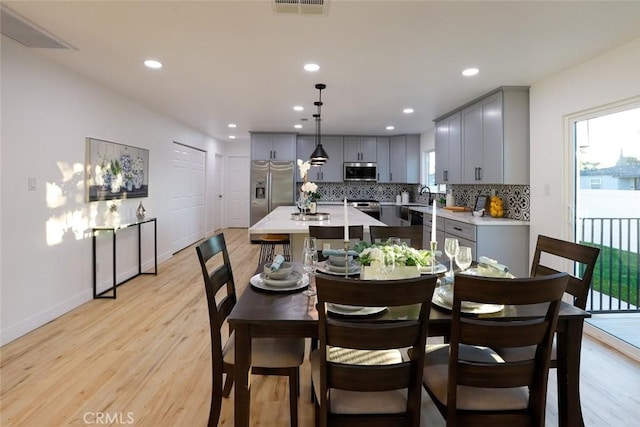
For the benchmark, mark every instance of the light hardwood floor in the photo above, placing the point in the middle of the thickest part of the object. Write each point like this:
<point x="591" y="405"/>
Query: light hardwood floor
<point x="143" y="360"/>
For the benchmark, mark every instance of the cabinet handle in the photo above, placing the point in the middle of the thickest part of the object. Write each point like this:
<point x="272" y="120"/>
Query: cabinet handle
<point x="479" y="174"/>
<point x="378" y="176"/>
<point x="390" y="176"/>
<point x="457" y="228"/>
<point x="275" y="154"/>
<point x="445" y="175"/>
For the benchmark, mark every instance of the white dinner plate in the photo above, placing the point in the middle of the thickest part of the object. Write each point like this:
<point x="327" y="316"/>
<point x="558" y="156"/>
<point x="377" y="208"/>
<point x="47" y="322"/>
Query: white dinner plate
<point x="259" y="282"/>
<point x="440" y="268"/>
<point x="327" y="268"/>
<point x="443" y="298"/>
<point x="345" y="310"/>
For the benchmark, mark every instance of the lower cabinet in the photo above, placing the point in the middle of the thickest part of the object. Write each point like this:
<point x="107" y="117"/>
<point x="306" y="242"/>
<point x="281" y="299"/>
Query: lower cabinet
<point x="508" y="244"/>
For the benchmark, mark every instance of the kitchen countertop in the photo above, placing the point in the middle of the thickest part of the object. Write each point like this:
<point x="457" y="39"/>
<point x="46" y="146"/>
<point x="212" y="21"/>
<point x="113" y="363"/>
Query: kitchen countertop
<point x="468" y="217"/>
<point x="279" y="220"/>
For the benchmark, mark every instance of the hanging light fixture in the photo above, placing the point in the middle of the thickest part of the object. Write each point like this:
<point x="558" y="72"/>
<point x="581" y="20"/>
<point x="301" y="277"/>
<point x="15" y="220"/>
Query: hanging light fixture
<point x="319" y="156"/>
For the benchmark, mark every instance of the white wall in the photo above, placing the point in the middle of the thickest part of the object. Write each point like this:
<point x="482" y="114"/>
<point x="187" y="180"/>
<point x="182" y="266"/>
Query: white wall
<point x="608" y="78"/>
<point x="47" y="112"/>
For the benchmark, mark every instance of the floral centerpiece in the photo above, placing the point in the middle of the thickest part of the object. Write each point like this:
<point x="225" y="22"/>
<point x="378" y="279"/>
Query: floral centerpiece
<point x="391" y="261"/>
<point x="308" y="190"/>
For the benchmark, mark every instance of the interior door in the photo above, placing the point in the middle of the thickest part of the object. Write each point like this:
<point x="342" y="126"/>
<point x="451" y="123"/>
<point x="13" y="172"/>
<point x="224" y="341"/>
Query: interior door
<point x="187" y="198"/>
<point x="238" y="191"/>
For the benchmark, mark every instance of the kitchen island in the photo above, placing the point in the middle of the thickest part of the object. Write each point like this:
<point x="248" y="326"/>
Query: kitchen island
<point x="279" y="222"/>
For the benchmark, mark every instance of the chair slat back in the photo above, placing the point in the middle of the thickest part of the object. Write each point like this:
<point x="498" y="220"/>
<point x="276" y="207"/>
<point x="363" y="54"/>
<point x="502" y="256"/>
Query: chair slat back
<point x="217" y="274"/>
<point x="497" y="332"/>
<point x="374" y="334"/>
<point x="585" y="256"/>
<point x="334" y="236"/>
<point x="380" y="234"/>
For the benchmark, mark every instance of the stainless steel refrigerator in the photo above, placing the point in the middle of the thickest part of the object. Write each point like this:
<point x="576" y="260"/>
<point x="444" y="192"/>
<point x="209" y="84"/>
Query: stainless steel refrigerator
<point x="272" y="185"/>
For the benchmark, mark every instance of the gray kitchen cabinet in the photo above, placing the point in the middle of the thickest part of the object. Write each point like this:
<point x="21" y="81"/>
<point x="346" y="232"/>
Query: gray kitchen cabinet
<point x="509" y="244"/>
<point x="273" y="146"/>
<point x="360" y="149"/>
<point x="495" y="138"/>
<point x="485" y="141"/>
<point x="382" y="144"/>
<point x="448" y="150"/>
<point x="330" y="171"/>
<point x="404" y="159"/>
<point x="389" y="215"/>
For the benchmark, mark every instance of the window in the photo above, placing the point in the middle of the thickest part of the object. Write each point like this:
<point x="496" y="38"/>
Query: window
<point x="428" y="171"/>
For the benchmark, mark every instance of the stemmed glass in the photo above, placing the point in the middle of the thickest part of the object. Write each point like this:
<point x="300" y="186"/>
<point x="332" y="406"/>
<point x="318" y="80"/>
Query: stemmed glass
<point x="394" y="241"/>
<point x="463" y="258"/>
<point x="388" y="263"/>
<point x="451" y="250"/>
<point x="309" y="261"/>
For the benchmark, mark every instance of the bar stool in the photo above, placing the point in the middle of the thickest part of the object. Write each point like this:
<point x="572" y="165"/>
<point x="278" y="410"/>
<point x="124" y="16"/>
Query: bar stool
<point x="268" y="243"/>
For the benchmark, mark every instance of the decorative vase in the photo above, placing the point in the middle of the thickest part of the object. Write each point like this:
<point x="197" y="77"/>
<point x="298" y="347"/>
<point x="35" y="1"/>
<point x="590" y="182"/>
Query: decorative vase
<point x="116" y="183"/>
<point x="313" y="208"/>
<point x="140" y="212"/>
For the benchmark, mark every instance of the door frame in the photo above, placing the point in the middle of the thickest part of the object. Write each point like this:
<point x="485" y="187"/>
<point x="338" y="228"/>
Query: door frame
<point x="569" y="199"/>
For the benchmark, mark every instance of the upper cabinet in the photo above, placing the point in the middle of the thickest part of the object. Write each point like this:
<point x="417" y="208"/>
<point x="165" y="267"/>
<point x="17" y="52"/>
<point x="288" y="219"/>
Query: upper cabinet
<point x="273" y="146"/>
<point x="494" y="133"/>
<point x="449" y="150"/>
<point x="330" y="171"/>
<point x="360" y="149"/>
<point x="404" y="159"/>
<point x="382" y="144"/>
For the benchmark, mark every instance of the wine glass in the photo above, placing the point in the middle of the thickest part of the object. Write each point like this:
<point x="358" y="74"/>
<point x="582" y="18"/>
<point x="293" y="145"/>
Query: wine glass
<point x="451" y="250"/>
<point x="310" y="244"/>
<point x="309" y="260"/>
<point x="463" y="258"/>
<point x="394" y="241"/>
<point x="388" y="263"/>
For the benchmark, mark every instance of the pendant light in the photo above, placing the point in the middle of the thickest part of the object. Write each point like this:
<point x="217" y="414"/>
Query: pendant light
<point x="319" y="156"/>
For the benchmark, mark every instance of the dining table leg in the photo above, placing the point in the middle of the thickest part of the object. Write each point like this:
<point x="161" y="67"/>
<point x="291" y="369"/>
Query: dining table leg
<point x="242" y="373"/>
<point x="568" y="371"/>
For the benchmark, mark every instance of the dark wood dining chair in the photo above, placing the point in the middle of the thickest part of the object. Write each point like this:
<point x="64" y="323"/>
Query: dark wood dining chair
<point x="408" y="235"/>
<point x="584" y="258"/>
<point x="468" y="381"/>
<point x="359" y="376"/>
<point x="269" y="356"/>
<point x="334" y="235"/>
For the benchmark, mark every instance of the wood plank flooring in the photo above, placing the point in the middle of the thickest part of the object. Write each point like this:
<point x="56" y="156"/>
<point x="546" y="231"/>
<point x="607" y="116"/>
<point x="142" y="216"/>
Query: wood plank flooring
<point x="143" y="360"/>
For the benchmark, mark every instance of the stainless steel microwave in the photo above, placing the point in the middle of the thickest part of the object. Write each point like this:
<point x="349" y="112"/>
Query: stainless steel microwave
<point x="360" y="172"/>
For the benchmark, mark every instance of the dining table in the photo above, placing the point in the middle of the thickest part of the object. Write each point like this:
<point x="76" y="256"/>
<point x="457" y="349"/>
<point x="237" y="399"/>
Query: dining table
<point x="259" y="313"/>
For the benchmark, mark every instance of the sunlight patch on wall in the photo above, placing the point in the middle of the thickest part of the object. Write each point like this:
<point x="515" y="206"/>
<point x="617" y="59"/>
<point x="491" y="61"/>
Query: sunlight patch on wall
<point x="65" y="223"/>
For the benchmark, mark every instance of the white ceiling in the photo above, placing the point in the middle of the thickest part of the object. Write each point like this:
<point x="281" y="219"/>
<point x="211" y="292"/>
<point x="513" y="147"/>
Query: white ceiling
<point x="239" y="62"/>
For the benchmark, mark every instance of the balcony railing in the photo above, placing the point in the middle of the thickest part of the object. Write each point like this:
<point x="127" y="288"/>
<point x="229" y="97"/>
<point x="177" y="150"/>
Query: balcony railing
<point x="616" y="280"/>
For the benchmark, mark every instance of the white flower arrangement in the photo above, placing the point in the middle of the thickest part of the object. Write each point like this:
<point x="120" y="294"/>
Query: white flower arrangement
<point x="401" y="254"/>
<point x="304" y="168"/>
<point x="308" y="189"/>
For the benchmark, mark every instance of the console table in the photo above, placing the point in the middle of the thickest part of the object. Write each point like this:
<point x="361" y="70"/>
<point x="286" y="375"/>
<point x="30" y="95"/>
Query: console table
<point x="113" y="229"/>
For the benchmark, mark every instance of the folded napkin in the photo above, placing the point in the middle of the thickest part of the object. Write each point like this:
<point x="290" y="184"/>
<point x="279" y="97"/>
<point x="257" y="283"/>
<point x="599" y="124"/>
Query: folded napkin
<point x="276" y="263"/>
<point x="493" y="264"/>
<point x="337" y="252"/>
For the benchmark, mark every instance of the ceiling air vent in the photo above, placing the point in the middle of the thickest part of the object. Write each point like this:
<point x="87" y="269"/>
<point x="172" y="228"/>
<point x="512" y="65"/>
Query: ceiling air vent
<point x="22" y="30"/>
<point x="300" y="7"/>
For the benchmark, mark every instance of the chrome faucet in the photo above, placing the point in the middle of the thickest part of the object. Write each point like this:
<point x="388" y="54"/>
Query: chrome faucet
<point x="426" y="189"/>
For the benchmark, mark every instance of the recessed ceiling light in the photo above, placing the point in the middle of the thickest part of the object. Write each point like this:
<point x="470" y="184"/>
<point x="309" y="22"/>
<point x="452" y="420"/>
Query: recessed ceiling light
<point x="232" y="137"/>
<point x="470" y="72"/>
<point x="298" y="108"/>
<point x="311" y="67"/>
<point x="232" y="125"/>
<point x="297" y="126"/>
<point x="391" y="127"/>
<point x="408" y="110"/>
<point x="152" y="63"/>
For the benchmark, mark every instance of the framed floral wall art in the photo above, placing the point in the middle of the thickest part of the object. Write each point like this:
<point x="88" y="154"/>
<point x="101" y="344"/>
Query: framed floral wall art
<point x="115" y="171"/>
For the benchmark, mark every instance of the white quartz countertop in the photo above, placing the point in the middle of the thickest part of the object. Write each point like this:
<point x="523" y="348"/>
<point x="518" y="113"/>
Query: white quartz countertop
<point x="468" y="217"/>
<point x="279" y="220"/>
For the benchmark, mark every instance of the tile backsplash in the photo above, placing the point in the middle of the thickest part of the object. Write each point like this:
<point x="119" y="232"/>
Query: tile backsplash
<point x="516" y="198"/>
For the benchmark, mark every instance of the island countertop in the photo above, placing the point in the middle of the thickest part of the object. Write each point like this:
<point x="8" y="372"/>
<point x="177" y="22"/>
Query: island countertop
<point x="279" y="220"/>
